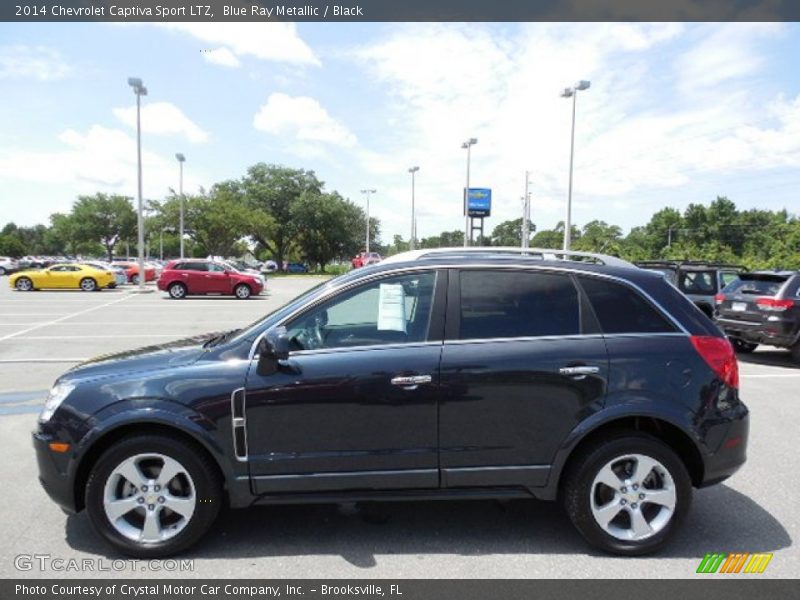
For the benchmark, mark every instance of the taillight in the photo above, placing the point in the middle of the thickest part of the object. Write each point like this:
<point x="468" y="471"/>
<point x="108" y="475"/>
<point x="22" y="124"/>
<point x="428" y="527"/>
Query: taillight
<point x="719" y="298"/>
<point x="719" y="355"/>
<point x="773" y="304"/>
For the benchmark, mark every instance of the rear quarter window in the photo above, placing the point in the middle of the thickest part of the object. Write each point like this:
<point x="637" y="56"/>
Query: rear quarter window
<point x="620" y="309"/>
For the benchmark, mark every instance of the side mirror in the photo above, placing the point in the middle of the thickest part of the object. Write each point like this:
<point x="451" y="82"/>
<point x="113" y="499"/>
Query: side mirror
<point x="273" y="347"/>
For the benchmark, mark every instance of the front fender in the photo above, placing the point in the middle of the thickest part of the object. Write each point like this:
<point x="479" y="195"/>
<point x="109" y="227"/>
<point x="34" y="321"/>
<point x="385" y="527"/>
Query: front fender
<point x="131" y="415"/>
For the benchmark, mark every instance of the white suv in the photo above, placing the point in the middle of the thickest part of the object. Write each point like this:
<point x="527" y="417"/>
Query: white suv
<point x="8" y="265"/>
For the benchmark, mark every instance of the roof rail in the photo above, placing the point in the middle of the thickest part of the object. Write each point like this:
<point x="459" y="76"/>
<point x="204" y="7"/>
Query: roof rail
<point x="541" y="253"/>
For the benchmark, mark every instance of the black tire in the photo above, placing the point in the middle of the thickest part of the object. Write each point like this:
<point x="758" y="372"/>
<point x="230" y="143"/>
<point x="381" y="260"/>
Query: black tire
<point x="578" y="482"/>
<point x="742" y="347"/>
<point x="135" y="279"/>
<point x="24" y="284"/>
<point x="177" y="291"/>
<point x="88" y="284"/>
<point x="242" y="291"/>
<point x="795" y="350"/>
<point x="200" y="467"/>
<point x="2" y="271"/>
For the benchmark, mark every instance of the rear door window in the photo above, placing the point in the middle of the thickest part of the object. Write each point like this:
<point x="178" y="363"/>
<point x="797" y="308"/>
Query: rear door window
<point x="504" y="304"/>
<point x="620" y="309"/>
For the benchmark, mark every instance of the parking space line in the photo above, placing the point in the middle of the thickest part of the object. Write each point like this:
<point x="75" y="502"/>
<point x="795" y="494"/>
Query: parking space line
<point x="69" y="316"/>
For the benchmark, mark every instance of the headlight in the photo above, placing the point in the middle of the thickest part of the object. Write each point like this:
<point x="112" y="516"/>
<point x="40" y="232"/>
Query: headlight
<point x="54" y="399"/>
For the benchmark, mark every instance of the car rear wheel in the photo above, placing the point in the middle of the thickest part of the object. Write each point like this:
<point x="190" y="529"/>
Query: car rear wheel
<point x="2" y="271"/>
<point x="88" y="284"/>
<point x="628" y="494"/>
<point x="743" y="347"/>
<point x="242" y="291"/>
<point x="177" y="291"/>
<point x="151" y="496"/>
<point x="795" y="350"/>
<point x="135" y="279"/>
<point x="23" y="284"/>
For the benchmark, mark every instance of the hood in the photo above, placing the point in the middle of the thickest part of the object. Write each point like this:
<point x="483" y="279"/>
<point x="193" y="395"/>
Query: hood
<point x="149" y="358"/>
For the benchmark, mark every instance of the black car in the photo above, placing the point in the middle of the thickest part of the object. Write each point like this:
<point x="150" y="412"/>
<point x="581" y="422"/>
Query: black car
<point x="699" y="280"/>
<point x="432" y="375"/>
<point x="762" y="308"/>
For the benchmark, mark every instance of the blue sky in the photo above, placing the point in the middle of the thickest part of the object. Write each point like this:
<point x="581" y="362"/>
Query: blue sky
<point x="677" y="113"/>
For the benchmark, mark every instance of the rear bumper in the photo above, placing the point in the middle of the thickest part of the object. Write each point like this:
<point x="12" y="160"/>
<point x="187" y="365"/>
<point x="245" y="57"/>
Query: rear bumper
<point x="52" y="475"/>
<point x="731" y="453"/>
<point x="774" y="333"/>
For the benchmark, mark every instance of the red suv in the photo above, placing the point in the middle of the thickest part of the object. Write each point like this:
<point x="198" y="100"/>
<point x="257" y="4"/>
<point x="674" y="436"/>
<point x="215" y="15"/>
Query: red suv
<point x="183" y="278"/>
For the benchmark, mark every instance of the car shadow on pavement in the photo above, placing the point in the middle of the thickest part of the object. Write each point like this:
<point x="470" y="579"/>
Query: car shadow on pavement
<point x="721" y="519"/>
<point x="769" y="358"/>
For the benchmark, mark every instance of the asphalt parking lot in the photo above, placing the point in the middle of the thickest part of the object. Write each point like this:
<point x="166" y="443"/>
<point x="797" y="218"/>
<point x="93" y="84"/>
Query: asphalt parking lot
<point x="44" y="333"/>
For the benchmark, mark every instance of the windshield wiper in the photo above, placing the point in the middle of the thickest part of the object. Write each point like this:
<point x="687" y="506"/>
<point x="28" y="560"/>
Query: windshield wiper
<point x="221" y="338"/>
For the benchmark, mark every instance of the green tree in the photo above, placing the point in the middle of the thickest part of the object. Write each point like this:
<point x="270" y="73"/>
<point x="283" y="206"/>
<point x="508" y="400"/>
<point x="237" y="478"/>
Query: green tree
<point x="509" y="233"/>
<point x="103" y="218"/>
<point x="270" y="192"/>
<point x="326" y="225"/>
<point x="11" y="246"/>
<point x="216" y="221"/>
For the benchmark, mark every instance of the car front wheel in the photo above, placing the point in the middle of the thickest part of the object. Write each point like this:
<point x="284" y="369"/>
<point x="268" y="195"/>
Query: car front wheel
<point x="151" y="496"/>
<point x="628" y="494"/>
<point x="23" y="284"/>
<point x="242" y="291"/>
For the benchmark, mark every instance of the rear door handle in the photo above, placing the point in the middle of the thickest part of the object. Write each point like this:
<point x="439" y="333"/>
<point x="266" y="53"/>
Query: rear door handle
<point x="579" y="372"/>
<point x="410" y="382"/>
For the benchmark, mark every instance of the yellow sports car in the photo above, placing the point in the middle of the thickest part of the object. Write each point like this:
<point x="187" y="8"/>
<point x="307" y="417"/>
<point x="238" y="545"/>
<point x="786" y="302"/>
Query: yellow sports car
<point x="67" y="276"/>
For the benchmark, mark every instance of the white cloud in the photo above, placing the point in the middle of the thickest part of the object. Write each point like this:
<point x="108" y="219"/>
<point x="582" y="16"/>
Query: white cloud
<point x="99" y="159"/>
<point x="222" y="56"/>
<point x="162" y="118"/>
<point x="725" y="52"/>
<point x="303" y="118"/>
<point x="32" y="62"/>
<point x="637" y="128"/>
<point x="278" y="42"/>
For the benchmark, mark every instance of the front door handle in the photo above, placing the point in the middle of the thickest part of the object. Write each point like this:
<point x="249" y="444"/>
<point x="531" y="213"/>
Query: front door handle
<point x="579" y="372"/>
<point x="410" y="382"/>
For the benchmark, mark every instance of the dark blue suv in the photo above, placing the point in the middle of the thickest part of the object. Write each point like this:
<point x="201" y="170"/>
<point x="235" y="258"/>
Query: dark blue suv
<point x="455" y="373"/>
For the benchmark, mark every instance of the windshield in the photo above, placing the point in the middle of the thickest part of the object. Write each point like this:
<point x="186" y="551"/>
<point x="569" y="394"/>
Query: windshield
<point x="255" y="328"/>
<point x="765" y="285"/>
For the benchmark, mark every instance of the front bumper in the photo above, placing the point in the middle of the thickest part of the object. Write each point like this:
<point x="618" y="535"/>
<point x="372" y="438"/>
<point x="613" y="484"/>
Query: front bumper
<point x="53" y="472"/>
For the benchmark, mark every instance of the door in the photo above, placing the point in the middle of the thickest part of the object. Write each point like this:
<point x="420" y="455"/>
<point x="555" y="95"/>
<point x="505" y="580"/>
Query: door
<point x="518" y="373"/>
<point x="60" y="276"/>
<point x="218" y="280"/>
<point x="355" y="405"/>
<point x="194" y="275"/>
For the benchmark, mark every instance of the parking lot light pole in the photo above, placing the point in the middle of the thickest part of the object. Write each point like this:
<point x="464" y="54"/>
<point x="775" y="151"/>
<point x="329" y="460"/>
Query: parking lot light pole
<point x="181" y="159"/>
<point x="367" y="193"/>
<point x="571" y="93"/>
<point x="413" y="171"/>
<point x="526" y="212"/>
<point x="139" y="90"/>
<point x="467" y="145"/>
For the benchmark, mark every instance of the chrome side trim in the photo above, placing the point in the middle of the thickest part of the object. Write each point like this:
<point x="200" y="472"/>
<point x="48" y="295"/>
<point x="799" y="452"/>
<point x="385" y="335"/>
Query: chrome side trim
<point x="239" y="424"/>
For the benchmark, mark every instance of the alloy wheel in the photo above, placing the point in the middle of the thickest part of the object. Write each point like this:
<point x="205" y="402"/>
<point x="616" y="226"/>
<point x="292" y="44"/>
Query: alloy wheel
<point x="149" y="498"/>
<point x="24" y="284"/>
<point x="633" y="497"/>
